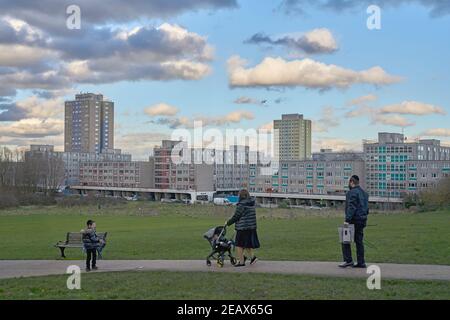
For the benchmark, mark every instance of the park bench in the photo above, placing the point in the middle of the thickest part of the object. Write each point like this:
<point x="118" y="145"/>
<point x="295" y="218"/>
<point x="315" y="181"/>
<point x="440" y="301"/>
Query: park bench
<point x="75" y="240"/>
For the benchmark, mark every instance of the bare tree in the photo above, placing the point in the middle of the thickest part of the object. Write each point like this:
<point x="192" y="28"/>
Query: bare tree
<point x="43" y="171"/>
<point x="438" y="196"/>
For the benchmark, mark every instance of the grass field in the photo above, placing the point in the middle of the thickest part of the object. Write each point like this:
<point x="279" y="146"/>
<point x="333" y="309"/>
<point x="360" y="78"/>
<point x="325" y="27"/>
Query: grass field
<point x="198" y="285"/>
<point x="146" y="230"/>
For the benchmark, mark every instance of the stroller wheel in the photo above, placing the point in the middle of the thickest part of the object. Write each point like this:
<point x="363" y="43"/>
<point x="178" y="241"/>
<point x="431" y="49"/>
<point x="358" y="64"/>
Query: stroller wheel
<point x="208" y="263"/>
<point x="233" y="260"/>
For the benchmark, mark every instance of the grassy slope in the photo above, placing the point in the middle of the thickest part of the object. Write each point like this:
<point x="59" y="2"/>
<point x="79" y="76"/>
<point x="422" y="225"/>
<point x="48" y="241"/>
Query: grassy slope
<point x="147" y="230"/>
<point x="197" y="285"/>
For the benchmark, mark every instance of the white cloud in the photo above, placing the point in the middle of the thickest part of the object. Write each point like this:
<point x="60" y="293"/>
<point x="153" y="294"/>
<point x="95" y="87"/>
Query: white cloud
<point x="336" y="144"/>
<point x="267" y="126"/>
<point x="139" y="144"/>
<point x="23" y="31"/>
<point x="41" y="108"/>
<point x="327" y="120"/>
<point x="161" y="109"/>
<point x="167" y="52"/>
<point x="188" y="122"/>
<point x="175" y="33"/>
<point x="306" y="73"/>
<point x="23" y="56"/>
<point x="185" y="69"/>
<point x="236" y="116"/>
<point x="78" y="69"/>
<point x="437" y="132"/>
<point x="32" y="107"/>
<point x="312" y="42"/>
<point x="392" y="120"/>
<point x="23" y="143"/>
<point x="361" y="111"/>
<point x="392" y="114"/>
<point x="321" y="38"/>
<point x="363" y="100"/>
<point x="413" y="108"/>
<point x="30" y="128"/>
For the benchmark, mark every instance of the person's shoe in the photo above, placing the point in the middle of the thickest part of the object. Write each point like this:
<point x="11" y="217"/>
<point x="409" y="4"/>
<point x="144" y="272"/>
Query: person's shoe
<point x="94" y="268"/>
<point x="240" y="265"/>
<point x="346" y="264"/>
<point x="253" y="260"/>
<point x="88" y="269"/>
<point x="357" y="265"/>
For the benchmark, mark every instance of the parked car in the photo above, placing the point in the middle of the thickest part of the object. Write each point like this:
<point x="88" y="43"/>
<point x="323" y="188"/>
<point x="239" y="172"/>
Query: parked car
<point x="222" y="201"/>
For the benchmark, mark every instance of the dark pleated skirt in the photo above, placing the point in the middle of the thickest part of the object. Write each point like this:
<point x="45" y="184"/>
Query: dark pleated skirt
<point x="247" y="239"/>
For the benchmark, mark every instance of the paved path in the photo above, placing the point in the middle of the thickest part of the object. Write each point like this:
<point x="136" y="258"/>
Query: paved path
<point x="26" y="268"/>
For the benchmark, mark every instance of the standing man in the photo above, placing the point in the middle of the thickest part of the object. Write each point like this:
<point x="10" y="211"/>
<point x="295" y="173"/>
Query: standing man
<point x="90" y="243"/>
<point x="356" y="211"/>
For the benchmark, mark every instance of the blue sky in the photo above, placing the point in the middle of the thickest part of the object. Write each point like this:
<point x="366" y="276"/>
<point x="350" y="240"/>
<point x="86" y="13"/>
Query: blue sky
<point x="411" y="44"/>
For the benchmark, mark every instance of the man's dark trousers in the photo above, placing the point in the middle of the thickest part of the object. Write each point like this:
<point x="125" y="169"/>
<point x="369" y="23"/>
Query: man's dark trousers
<point x="359" y="237"/>
<point x="91" y="254"/>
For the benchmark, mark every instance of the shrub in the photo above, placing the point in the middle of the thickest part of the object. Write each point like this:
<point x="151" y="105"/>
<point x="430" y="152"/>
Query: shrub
<point x="437" y="197"/>
<point x="78" y="200"/>
<point x="13" y="197"/>
<point x="284" y="204"/>
<point x="8" y="200"/>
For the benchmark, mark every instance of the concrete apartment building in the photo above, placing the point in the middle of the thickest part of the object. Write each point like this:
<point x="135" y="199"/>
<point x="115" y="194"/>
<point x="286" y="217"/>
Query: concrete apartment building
<point x="89" y="124"/>
<point x="163" y="164"/>
<point x="232" y="173"/>
<point x="195" y="175"/>
<point x="426" y="174"/>
<point x="396" y="166"/>
<point x="122" y="174"/>
<point x="72" y="160"/>
<point x="227" y="170"/>
<point x="292" y="137"/>
<point x="326" y="174"/>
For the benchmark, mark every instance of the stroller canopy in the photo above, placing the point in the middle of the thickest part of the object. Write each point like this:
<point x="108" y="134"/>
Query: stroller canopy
<point x="214" y="231"/>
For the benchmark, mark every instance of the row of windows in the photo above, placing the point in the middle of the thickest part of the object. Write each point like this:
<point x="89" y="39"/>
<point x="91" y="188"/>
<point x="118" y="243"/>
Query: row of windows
<point x="109" y="171"/>
<point x="113" y="178"/>
<point x="115" y="164"/>
<point x="389" y="149"/>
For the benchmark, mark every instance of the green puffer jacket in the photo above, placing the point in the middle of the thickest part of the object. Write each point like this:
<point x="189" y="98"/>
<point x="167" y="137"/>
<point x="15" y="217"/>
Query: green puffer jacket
<point x="245" y="215"/>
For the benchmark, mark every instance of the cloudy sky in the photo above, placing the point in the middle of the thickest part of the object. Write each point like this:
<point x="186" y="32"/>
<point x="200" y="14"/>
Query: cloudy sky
<point x="229" y="63"/>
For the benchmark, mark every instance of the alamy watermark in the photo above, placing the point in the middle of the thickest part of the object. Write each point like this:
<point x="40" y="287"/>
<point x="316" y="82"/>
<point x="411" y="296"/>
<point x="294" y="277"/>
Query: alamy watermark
<point x="73" y="20"/>
<point x="232" y="146"/>
<point x="374" y="19"/>
<point x="374" y="280"/>
<point x="74" y="280"/>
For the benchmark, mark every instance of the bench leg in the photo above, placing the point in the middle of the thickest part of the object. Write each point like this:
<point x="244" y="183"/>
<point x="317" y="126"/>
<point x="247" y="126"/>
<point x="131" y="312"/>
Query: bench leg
<point x="62" y="252"/>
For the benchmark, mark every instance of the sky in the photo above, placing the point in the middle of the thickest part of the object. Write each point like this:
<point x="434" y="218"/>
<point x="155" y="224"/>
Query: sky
<point x="228" y="63"/>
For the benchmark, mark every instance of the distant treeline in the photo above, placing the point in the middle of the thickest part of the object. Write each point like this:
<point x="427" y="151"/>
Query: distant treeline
<point x="27" y="179"/>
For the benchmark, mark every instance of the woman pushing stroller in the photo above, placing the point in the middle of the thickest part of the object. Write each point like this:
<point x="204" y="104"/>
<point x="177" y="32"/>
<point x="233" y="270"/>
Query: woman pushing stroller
<point x="244" y="220"/>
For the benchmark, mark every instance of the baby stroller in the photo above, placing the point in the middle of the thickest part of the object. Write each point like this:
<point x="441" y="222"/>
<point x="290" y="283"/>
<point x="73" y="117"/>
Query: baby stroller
<point x="220" y="245"/>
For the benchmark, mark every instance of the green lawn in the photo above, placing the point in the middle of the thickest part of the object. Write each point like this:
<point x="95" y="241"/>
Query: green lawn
<point x="206" y="285"/>
<point x="146" y="230"/>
